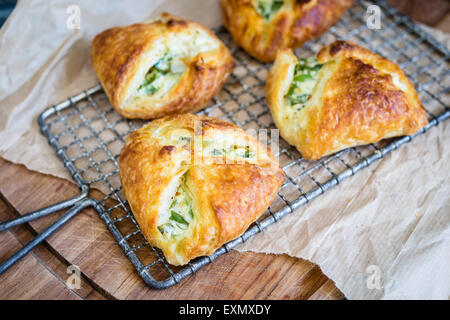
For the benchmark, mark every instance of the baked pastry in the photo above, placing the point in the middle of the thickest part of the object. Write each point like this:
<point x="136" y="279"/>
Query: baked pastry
<point x="346" y="96"/>
<point x="262" y="27"/>
<point x="166" y="66"/>
<point x="194" y="183"/>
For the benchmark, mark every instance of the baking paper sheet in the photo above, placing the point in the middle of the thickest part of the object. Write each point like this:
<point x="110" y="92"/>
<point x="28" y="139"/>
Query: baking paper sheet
<point x="384" y="233"/>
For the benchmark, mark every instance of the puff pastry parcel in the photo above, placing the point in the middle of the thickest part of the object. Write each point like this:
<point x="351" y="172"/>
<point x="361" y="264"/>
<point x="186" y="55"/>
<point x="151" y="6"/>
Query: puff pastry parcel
<point x="346" y="96"/>
<point x="262" y="27"/>
<point x="162" y="67"/>
<point x="194" y="183"/>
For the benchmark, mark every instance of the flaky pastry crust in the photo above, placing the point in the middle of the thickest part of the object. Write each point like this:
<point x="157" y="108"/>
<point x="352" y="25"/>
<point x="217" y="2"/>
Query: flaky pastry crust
<point x="359" y="98"/>
<point x="227" y="196"/>
<point x="121" y="57"/>
<point x="296" y="22"/>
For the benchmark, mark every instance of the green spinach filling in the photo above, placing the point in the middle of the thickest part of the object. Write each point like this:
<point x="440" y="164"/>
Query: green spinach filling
<point x="164" y="74"/>
<point x="180" y="213"/>
<point x="233" y="151"/>
<point x="268" y="8"/>
<point x="305" y="78"/>
<point x="150" y="84"/>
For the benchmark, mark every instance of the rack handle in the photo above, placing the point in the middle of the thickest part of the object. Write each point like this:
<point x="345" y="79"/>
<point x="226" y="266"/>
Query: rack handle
<point x="40" y="213"/>
<point x="77" y="207"/>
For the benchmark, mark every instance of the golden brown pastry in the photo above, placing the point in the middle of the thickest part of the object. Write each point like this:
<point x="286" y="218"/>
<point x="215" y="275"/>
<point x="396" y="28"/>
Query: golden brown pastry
<point x="346" y="96"/>
<point x="194" y="183"/>
<point x="163" y="67"/>
<point x="262" y="27"/>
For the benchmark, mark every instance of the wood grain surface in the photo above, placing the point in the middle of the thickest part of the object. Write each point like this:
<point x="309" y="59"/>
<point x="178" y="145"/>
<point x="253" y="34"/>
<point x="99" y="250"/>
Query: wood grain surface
<point x="106" y="273"/>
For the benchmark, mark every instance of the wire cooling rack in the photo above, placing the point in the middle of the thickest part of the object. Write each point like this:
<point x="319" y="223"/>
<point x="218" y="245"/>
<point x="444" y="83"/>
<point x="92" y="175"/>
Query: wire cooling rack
<point x="87" y="134"/>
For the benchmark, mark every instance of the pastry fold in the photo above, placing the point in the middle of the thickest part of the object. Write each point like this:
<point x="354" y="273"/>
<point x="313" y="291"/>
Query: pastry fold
<point x="166" y="66"/>
<point x="262" y="27"/>
<point x="194" y="183"/>
<point x="347" y="96"/>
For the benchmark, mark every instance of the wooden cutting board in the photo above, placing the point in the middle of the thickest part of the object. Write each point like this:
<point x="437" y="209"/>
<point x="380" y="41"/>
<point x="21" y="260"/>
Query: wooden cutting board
<point x="106" y="272"/>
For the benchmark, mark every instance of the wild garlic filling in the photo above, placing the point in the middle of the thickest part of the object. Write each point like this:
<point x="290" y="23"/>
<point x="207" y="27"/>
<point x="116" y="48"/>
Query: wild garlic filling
<point x="180" y="213"/>
<point x="305" y="79"/>
<point x="268" y="8"/>
<point x="163" y="75"/>
<point x="234" y="151"/>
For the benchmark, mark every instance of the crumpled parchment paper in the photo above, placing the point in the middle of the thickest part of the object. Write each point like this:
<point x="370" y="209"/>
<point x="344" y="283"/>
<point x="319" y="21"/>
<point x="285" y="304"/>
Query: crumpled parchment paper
<point x="384" y="233"/>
